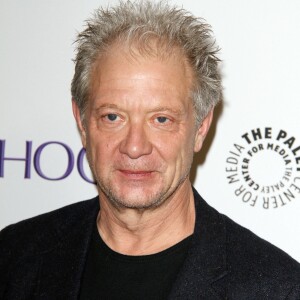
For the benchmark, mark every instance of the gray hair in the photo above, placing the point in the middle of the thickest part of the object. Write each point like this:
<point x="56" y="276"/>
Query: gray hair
<point x="139" y="22"/>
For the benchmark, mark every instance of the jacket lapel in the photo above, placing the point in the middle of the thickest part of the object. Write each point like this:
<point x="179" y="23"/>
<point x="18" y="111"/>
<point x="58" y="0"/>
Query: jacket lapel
<point x="61" y="267"/>
<point x="206" y="260"/>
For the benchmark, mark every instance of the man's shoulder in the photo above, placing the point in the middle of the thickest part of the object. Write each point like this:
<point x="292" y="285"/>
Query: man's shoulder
<point x="40" y="232"/>
<point x="244" y="264"/>
<point x="246" y="256"/>
<point x="254" y="263"/>
<point x="248" y="252"/>
<point x="54" y="241"/>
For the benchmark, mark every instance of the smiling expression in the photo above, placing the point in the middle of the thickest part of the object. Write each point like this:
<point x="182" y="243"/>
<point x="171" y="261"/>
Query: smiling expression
<point x="140" y="132"/>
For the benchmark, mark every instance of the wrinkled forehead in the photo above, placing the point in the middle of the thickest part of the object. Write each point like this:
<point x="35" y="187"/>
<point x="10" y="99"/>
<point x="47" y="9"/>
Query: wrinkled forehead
<point x="136" y="55"/>
<point x="131" y="64"/>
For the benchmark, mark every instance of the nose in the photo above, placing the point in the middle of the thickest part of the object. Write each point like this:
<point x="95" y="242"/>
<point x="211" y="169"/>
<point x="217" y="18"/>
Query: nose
<point x="136" y="142"/>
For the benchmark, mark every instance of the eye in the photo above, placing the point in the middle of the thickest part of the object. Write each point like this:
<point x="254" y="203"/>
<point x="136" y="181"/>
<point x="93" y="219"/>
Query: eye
<point x="112" y="117"/>
<point x="162" y="120"/>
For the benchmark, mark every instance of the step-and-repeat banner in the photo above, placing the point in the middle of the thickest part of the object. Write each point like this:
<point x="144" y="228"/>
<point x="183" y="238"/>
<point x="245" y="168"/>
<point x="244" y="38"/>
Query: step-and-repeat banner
<point x="249" y="168"/>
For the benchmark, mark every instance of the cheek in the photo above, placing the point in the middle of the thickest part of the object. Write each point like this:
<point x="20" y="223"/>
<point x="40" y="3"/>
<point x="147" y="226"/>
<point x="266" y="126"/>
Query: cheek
<point x="176" y="149"/>
<point x="102" y="148"/>
<point x="187" y="150"/>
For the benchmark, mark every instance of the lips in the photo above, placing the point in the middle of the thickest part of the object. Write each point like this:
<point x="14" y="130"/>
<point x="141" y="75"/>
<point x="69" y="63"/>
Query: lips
<point x="136" y="174"/>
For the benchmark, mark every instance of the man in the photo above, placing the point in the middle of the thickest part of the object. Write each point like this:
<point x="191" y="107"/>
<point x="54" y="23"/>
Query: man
<point x="145" y="85"/>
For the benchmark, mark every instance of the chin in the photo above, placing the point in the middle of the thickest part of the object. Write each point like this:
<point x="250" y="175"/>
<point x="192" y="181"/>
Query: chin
<point x="138" y="199"/>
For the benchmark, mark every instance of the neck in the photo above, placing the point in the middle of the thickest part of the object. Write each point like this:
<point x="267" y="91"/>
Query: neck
<point x="135" y="232"/>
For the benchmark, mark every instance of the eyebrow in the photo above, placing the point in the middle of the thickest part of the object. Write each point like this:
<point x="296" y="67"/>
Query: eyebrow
<point x="107" y="105"/>
<point x="167" y="108"/>
<point x="156" y="109"/>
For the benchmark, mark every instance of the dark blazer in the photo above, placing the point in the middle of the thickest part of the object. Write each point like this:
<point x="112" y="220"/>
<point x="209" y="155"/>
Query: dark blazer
<point x="44" y="257"/>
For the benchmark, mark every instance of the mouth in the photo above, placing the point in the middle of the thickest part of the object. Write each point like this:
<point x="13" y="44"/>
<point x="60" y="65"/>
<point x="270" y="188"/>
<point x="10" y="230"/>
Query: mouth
<point x="136" y="174"/>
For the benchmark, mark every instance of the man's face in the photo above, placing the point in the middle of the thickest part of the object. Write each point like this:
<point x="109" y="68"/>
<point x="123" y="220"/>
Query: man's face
<point x="140" y="132"/>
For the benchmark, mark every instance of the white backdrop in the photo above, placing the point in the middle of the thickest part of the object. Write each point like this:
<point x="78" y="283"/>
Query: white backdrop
<point x="260" y="43"/>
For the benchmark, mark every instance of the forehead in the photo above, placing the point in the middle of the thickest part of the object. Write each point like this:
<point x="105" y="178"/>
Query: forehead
<point x="123" y="68"/>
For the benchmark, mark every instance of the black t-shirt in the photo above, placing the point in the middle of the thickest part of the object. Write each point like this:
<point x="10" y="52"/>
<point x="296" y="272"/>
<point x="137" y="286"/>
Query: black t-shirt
<point x="111" y="275"/>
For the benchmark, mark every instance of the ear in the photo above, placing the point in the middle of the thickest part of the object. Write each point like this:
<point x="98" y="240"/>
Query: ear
<point x="77" y="116"/>
<point x="202" y="131"/>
